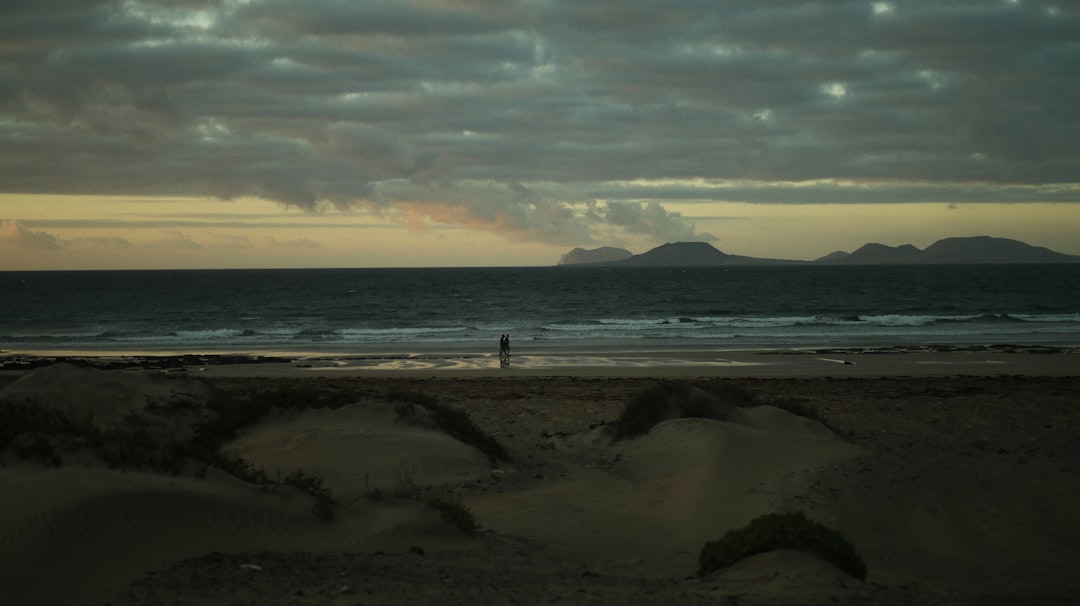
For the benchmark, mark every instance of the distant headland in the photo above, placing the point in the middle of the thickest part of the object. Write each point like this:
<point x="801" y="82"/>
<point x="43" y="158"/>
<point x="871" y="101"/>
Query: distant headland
<point x="948" y="251"/>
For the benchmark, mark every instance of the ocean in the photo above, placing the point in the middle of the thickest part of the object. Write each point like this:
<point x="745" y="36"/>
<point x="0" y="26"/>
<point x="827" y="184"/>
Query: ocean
<point x="543" y="309"/>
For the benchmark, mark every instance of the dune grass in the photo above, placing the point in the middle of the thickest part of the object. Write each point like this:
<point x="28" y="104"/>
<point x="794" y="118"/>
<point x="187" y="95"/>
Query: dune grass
<point x="151" y="441"/>
<point x="45" y="435"/>
<point x="425" y="410"/>
<point x="453" y="511"/>
<point x="40" y="434"/>
<point x="678" y="400"/>
<point x="456" y="514"/>
<point x="776" y="531"/>
<point x="312" y="484"/>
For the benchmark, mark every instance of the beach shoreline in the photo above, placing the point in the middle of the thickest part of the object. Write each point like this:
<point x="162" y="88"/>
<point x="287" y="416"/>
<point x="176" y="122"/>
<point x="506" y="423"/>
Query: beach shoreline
<point x="929" y="360"/>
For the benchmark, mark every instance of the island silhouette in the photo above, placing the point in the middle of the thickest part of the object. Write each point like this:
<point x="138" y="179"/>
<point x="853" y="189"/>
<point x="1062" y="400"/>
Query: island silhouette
<point x="948" y="251"/>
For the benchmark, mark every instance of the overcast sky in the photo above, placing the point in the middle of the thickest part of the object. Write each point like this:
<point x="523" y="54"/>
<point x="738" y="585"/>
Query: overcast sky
<point x="502" y="132"/>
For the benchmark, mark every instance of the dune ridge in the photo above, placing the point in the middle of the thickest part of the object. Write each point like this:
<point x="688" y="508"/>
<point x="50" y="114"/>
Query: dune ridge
<point x="359" y="449"/>
<point x="96" y="529"/>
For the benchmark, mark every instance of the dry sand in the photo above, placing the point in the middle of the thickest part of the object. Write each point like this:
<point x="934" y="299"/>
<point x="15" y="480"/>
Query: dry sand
<point x="955" y="488"/>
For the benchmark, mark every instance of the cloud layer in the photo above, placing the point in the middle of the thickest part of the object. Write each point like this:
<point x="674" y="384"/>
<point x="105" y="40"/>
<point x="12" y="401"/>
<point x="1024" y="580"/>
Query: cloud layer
<point x="546" y="120"/>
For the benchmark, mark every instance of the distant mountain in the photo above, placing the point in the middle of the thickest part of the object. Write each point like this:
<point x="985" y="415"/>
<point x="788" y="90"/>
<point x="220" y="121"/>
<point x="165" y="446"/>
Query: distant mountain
<point x="604" y="254"/>
<point x="677" y="254"/>
<point x="958" y="251"/>
<point x="874" y="254"/>
<point x="690" y="254"/>
<point x="955" y="251"/>
<point x="984" y="249"/>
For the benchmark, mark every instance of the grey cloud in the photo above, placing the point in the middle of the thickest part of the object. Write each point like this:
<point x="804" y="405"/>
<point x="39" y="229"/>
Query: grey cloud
<point x="512" y="115"/>
<point x="114" y="243"/>
<point x="378" y="17"/>
<point x="837" y="192"/>
<point x="231" y="242"/>
<point x="652" y="219"/>
<point x="292" y="243"/>
<point x="13" y="235"/>
<point x="508" y="208"/>
<point x="17" y="236"/>
<point x="180" y="222"/>
<point x="174" y="240"/>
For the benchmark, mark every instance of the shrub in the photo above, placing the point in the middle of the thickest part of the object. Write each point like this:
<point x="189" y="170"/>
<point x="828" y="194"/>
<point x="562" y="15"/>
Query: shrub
<point x="455" y="514"/>
<point x="231" y="413"/>
<point x="31" y="418"/>
<point x="239" y="468"/>
<point x="234" y="411"/>
<point x="677" y="400"/>
<point x="44" y="434"/>
<point x="40" y="433"/>
<point x="406" y="489"/>
<point x="37" y="447"/>
<point x="134" y="443"/>
<point x="453" y="421"/>
<point x="781" y="531"/>
<point x="313" y="485"/>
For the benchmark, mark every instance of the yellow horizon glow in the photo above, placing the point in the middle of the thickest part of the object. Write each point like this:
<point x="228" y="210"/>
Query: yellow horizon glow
<point x="47" y="232"/>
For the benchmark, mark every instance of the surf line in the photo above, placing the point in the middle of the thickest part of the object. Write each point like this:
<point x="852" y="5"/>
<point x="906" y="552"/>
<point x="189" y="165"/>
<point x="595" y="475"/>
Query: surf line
<point x="835" y="361"/>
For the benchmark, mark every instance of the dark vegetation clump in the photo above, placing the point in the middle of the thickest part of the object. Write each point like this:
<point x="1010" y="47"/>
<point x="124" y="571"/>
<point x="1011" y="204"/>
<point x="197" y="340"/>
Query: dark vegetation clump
<point x="776" y="531"/>
<point x="678" y="400"/>
<point x="163" y="442"/>
<point x="231" y="413"/>
<point x="160" y="441"/>
<point x="312" y="484"/>
<point x="41" y="434"/>
<point x="422" y="409"/>
<point x="452" y="510"/>
<point x="242" y="469"/>
<point x="456" y="514"/>
<point x="406" y="489"/>
<point x="45" y="435"/>
<point x="140" y="443"/>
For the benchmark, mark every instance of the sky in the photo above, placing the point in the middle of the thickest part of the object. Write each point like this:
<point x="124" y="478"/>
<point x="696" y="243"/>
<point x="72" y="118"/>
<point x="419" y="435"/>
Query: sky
<point x="421" y="133"/>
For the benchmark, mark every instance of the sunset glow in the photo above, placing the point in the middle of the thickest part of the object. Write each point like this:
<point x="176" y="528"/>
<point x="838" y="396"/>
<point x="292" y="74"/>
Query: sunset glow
<point x="343" y="134"/>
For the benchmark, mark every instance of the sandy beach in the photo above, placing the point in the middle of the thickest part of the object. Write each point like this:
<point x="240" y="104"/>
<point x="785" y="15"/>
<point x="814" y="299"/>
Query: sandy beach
<point x="951" y="473"/>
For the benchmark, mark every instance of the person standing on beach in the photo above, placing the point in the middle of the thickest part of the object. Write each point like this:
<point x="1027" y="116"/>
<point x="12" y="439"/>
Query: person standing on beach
<point x="504" y="350"/>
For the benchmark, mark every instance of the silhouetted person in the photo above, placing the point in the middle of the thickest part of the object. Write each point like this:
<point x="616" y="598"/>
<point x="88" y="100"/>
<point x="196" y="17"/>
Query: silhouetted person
<point x="504" y="350"/>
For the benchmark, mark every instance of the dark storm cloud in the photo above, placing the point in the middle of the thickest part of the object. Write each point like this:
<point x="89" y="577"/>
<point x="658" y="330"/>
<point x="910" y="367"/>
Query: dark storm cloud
<point x="535" y="118"/>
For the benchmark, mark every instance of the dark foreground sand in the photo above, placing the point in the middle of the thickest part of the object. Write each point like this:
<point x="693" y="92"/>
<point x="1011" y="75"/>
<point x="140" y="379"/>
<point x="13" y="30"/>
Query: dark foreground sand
<point x="954" y="488"/>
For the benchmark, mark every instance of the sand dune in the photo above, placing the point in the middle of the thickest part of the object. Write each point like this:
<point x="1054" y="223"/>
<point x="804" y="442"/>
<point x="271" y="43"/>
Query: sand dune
<point x="951" y="490"/>
<point x="684" y="480"/>
<point x="105" y="397"/>
<point x="79" y="531"/>
<point x="710" y="476"/>
<point x="72" y="533"/>
<point x="358" y="449"/>
<point x="776" y="576"/>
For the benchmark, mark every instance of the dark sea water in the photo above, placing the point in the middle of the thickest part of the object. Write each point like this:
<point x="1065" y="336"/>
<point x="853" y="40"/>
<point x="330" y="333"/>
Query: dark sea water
<point x="544" y="309"/>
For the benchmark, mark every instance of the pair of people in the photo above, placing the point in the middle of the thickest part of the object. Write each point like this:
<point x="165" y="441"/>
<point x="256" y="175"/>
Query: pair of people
<point x="504" y="349"/>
